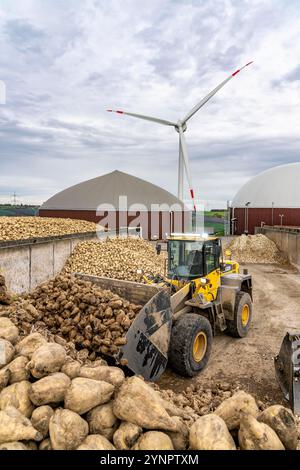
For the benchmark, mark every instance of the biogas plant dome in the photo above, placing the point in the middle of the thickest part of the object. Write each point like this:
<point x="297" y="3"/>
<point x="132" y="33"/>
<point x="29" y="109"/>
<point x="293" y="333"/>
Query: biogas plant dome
<point x="276" y="187"/>
<point x="107" y="189"/>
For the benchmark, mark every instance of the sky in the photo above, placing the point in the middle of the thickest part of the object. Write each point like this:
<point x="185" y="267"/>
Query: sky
<point x="62" y="64"/>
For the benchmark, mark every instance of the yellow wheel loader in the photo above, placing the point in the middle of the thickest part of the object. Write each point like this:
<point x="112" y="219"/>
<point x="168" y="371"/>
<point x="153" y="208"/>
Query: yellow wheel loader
<point x="208" y="295"/>
<point x="182" y="310"/>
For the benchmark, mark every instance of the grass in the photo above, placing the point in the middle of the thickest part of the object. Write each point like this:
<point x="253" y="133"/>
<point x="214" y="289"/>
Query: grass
<point x="10" y="210"/>
<point x="218" y="227"/>
<point x="215" y="213"/>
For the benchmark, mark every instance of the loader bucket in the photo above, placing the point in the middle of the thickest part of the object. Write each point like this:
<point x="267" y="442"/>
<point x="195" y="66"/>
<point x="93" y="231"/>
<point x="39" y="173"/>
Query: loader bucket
<point x="287" y="368"/>
<point x="148" y="338"/>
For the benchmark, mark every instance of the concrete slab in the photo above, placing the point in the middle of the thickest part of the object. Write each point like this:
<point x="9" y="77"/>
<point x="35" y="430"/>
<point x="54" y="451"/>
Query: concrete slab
<point x="42" y="263"/>
<point x="15" y="266"/>
<point x="62" y="251"/>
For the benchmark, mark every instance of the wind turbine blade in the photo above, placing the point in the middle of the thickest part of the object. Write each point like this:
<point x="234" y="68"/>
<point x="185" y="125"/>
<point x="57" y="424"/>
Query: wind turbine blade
<point x="186" y="164"/>
<point x="146" y="118"/>
<point x="212" y="93"/>
<point x="180" y="173"/>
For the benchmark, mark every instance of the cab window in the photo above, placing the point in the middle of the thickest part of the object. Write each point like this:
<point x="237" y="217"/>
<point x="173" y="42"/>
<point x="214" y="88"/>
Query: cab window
<point x="185" y="259"/>
<point x="211" y="256"/>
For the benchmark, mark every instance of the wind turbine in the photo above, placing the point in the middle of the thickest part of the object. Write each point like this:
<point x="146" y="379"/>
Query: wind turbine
<point x="180" y="127"/>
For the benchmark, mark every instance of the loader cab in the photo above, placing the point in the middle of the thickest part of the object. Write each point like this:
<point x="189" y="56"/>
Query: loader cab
<point x="191" y="257"/>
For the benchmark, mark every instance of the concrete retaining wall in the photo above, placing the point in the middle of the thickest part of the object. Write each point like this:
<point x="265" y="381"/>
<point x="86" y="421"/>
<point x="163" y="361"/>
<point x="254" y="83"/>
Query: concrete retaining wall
<point x="287" y="240"/>
<point x="27" y="263"/>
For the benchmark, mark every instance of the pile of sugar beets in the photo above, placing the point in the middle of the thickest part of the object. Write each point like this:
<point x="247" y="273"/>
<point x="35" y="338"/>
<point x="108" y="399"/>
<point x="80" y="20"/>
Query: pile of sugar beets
<point x="86" y="317"/>
<point x="50" y="401"/>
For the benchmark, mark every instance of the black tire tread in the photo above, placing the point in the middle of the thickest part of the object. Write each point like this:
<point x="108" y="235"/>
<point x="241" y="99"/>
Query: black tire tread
<point x="232" y="325"/>
<point x="182" y="335"/>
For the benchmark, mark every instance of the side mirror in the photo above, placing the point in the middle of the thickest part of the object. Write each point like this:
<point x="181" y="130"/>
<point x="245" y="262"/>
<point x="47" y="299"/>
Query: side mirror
<point x="223" y="267"/>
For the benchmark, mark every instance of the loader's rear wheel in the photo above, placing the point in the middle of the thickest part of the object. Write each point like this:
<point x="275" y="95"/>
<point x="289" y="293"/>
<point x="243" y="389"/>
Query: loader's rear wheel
<point x="240" y="325"/>
<point x="190" y="346"/>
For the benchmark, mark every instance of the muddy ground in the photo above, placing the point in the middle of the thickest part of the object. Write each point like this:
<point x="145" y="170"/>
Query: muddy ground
<point x="249" y="362"/>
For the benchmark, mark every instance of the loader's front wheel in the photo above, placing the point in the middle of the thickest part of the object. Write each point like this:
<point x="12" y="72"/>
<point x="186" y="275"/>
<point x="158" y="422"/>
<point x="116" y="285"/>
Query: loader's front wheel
<point x="190" y="345"/>
<point x="240" y="325"/>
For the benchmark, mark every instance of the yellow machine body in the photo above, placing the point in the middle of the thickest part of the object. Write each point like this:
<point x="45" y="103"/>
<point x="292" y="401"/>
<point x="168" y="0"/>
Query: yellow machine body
<point x="206" y="284"/>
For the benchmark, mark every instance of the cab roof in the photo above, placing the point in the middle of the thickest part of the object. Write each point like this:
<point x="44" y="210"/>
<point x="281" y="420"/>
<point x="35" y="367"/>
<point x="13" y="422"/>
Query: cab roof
<point x="190" y="237"/>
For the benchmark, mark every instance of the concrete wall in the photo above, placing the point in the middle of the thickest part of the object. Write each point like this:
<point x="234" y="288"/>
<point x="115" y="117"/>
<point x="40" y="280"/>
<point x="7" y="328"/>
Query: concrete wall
<point x="25" y="264"/>
<point x="287" y="240"/>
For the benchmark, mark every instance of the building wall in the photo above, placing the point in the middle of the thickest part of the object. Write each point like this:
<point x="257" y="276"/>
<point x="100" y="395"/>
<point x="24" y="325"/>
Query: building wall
<point x="154" y="225"/>
<point x="256" y="216"/>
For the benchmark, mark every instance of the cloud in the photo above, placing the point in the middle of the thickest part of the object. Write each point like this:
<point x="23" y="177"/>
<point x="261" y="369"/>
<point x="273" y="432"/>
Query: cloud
<point x="24" y="36"/>
<point x="64" y="64"/>
<point x="294" y="75"/>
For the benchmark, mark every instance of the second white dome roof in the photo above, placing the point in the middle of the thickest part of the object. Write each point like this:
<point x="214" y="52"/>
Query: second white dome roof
<point x="277" y="187"/>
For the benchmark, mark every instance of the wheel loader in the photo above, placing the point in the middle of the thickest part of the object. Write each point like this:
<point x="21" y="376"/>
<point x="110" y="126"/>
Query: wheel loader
<point x="199" y="295"/>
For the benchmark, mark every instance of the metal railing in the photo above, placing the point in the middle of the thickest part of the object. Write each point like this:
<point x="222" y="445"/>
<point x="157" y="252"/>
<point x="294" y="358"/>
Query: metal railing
<point x="278" y="228"/>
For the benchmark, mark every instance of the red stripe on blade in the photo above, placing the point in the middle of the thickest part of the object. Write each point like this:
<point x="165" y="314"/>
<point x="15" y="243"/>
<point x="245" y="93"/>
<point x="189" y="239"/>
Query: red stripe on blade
<point x="120" y="112"/>
<point x="192" y="193"/>
<point x="236" y="72"/>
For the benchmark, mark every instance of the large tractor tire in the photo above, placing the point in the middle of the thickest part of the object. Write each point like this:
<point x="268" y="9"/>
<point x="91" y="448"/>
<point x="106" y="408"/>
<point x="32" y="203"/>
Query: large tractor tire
<point x="190" y="345"/>
<point x="240" y="325"/>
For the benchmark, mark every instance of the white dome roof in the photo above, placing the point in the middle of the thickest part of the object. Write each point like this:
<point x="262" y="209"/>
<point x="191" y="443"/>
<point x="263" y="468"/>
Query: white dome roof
<point x="107" y="189"/>
<point x="278" y="186"/>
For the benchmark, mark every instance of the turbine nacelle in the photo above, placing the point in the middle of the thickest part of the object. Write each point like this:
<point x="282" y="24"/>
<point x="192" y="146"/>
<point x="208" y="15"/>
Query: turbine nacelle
<point x="181" y="124"/>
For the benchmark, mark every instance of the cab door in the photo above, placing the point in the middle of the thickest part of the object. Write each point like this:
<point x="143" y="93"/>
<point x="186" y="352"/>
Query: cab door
<point x="212" y="272"/>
